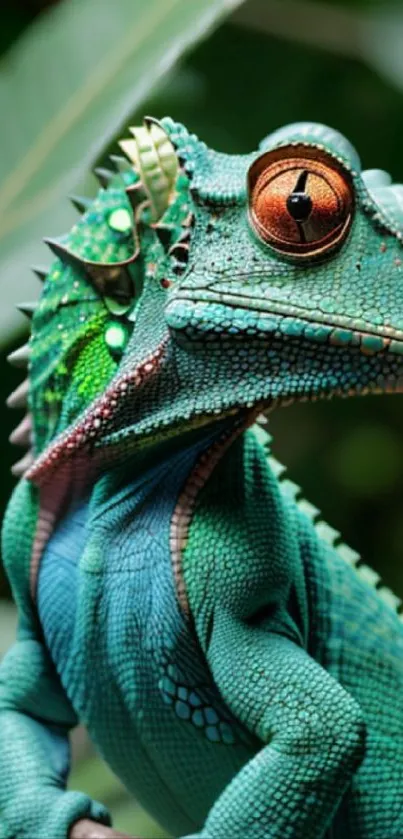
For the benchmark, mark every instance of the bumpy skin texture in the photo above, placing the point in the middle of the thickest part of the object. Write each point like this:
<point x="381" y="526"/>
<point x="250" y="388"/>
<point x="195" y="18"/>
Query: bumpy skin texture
<point x="238" y="666"/>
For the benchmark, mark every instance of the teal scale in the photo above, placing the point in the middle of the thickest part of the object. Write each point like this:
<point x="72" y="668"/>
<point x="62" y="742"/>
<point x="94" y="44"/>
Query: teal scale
<point x="105" y="586"/>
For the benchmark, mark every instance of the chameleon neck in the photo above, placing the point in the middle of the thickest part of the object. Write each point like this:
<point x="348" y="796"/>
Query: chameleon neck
<point x="75" y="476"/>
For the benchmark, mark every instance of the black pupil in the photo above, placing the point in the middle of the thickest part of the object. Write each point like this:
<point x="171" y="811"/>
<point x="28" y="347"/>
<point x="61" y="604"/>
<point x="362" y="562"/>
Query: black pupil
<point x="299" y="203"/>
<point x="299" y="206"/>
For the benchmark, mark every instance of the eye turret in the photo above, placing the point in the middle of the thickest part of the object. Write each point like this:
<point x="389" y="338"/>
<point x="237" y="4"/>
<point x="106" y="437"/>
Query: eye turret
<point x="301" y="201"/>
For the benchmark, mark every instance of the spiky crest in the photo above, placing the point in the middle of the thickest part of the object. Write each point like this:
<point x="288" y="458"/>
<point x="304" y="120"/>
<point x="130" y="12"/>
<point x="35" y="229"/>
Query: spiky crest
<point x="153" y="158"/>
<point x="325" y="532"/>
<point x="20" y="356"/>
<point x="22" y="466"/>
<point x="104" y="176"/>
<point x="27" y="309"/>
<point x="120" y="164"/>
<point x="111" y="279"/>
<point x="40" y="271"/>
<point x="22" y="434"/>
<point x="80" y="202"/>
<point x="19" y="397"/>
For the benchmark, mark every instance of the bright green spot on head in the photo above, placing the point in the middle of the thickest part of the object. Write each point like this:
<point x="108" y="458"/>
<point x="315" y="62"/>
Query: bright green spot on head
<point x="116" y="337"/>
<point x="51" y="396"/>
<point x="120" y="220"/>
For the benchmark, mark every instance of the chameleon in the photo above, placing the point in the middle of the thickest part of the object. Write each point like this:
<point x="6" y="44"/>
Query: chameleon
<point x="235" y="663"/>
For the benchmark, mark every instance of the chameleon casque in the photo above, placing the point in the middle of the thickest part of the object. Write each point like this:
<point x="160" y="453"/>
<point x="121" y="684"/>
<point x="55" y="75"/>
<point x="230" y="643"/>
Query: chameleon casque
<point x="234" y="662"/>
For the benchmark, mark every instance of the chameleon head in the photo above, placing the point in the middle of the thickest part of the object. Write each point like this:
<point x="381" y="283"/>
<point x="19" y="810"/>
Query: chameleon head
<point x="265" y="278"/>
<point x="293" y="286"/>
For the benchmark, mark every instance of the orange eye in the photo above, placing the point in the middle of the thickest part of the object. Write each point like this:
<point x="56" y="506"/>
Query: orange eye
<point x="300" y="201"/>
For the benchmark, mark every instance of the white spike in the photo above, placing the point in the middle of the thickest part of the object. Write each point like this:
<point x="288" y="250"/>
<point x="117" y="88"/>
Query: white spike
<point x="390" y="598"/>
<point x="309" y="509"/>
<point x="21" y="436"/>
<point x="348" y="554"/>
<point x="327" y="533"/>
<point x="264" y="438"/>
<point x="20" y="356"/>
<point x="277" y="467"/>
<point x="22" y="466"/>
<point x="19" y="397"/>
<point x="290" y="489"/>
<point x="129" y="147"/>
<point x="369" y="575"/>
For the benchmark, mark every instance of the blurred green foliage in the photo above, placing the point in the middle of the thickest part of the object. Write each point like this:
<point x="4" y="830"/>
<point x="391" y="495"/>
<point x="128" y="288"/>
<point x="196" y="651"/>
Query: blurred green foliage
<point x="348" y="455"/>
<point x="16" y="15"/>
<point x="59" y="122"/>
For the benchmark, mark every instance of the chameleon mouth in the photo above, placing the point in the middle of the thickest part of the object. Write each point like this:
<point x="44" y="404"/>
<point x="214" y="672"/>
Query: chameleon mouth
<point x="231" y="316"/>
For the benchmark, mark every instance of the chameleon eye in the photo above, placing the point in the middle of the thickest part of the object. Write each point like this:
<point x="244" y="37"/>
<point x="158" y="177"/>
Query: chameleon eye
<point x="300" y="201"/>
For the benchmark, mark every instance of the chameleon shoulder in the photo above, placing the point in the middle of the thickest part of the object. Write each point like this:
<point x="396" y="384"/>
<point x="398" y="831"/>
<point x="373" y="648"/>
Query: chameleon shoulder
<point x="240" y="538"/>
<point x="17" y="542"/>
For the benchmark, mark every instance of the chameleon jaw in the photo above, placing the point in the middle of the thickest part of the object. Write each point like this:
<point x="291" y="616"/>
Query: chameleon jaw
<point x="191" y="319"/>
<point x="324" y="359"/>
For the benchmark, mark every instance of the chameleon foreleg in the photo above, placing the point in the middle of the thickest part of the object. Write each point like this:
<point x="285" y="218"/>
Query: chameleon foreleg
<point x="35" y="715"/>
<point x="374" y="808"/>
<point x="312" y="728"/>
<point x="34" y="722"/>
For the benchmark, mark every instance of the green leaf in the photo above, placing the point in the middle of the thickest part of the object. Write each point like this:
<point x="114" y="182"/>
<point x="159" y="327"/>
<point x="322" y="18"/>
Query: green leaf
<point x="94" y="777"/>
<point x="382" y="40"/>
<point x="368" y="31"/>
<point x="67" y="87"/>
<point x="133" y="820"/>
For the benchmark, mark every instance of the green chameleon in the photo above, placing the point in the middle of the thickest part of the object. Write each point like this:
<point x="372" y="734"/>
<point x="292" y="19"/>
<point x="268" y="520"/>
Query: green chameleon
<point x="234" y="662"/>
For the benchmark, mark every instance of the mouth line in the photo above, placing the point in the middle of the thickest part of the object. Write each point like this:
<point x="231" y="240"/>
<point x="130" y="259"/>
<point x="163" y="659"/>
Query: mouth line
<point x="288" y="321"/>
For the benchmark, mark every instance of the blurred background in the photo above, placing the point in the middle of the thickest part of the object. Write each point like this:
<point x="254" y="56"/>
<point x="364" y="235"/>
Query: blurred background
<point x="74" y="73"/>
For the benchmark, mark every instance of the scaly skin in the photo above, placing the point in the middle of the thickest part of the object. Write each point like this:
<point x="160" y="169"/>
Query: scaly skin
<point x="238" y="667"/>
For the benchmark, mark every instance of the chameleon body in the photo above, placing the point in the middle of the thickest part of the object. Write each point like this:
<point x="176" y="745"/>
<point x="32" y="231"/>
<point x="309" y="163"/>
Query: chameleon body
<point x="235" y="663"/>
